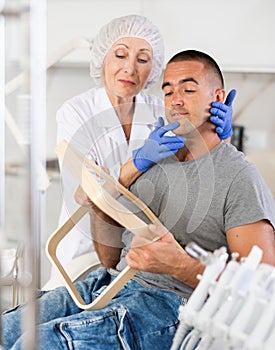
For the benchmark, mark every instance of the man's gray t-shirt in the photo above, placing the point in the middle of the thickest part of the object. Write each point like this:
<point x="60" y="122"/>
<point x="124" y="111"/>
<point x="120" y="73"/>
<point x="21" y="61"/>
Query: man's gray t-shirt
<point x="199" y="201"/>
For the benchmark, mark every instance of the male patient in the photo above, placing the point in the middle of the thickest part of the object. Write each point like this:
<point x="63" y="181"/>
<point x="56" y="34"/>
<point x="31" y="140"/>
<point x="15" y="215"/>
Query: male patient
<point x="207" y="193"/>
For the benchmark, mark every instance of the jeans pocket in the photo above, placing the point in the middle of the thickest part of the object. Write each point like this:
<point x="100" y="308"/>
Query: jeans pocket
<point x="97" y="330"/>
<point x="127" y="333"/>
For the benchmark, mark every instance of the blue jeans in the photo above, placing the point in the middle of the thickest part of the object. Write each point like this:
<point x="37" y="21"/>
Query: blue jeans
<point x="136" y="318"/>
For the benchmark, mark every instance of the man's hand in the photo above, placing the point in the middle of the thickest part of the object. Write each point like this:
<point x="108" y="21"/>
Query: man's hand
<point x="157" y="146"/>
<point x="221" y="116"/>
<point x="157" y="256"/>
<point x="164" y="256"/>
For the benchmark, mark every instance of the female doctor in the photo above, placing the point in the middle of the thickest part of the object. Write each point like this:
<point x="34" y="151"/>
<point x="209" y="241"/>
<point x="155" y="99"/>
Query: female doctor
<point x="110" y="123"/>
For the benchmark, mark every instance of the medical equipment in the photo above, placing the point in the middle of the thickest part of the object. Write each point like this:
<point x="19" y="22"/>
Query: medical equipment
<point x="237" y="311"/>
<point x="214" y="265"/>
<point x="106" y="201"/>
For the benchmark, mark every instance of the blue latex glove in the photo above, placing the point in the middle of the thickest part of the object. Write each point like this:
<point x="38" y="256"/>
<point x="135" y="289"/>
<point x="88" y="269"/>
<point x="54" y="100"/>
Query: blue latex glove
<point x="157" y="146"/>
<point x="221" y="116"/>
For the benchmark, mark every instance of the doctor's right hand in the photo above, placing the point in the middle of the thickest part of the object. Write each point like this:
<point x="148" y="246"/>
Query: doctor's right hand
<point x="81" y="198"/>
<point x="157" y="146"/>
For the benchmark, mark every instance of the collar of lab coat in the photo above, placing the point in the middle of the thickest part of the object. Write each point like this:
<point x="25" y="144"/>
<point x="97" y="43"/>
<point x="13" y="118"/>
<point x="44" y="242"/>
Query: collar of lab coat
<point x="107" y="118"/>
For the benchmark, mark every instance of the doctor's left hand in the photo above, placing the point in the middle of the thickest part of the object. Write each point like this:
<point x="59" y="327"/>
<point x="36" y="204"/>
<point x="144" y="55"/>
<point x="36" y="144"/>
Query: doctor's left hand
<point x="221" y="116"/>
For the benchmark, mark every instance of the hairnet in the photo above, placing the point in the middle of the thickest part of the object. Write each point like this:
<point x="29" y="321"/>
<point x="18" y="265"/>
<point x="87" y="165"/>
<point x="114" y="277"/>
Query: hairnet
<point x="127" y="26"/>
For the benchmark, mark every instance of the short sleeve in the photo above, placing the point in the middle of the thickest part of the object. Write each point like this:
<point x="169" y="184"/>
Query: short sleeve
<point x="248" y="199"/>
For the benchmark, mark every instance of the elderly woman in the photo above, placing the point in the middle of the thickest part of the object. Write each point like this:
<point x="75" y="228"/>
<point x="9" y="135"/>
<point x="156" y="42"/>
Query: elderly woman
<point x="108" y="122"/>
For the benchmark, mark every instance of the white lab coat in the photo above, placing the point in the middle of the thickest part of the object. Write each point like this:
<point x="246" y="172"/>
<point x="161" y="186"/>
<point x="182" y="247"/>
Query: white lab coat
<point x="90" y="123"/>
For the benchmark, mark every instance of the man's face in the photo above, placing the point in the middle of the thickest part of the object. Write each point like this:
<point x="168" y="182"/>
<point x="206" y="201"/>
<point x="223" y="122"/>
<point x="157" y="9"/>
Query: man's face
<point x="188" y="95"/>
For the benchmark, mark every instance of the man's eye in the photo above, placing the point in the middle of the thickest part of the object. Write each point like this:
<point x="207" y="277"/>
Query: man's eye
<point x="189" y="91"/>
<point x="168" y="93"/>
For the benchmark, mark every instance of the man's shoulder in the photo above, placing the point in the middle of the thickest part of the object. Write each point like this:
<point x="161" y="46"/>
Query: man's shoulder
<point x="242" y="171"/>
<point x="228" y="155"/>
<point x="231" y="166"/>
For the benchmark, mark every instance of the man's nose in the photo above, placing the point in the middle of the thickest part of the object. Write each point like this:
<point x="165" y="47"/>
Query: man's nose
<point x="177" y="99"/>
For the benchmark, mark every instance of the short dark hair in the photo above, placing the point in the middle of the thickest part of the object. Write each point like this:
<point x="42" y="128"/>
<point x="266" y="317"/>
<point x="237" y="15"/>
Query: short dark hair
<point x="194" y="55"/>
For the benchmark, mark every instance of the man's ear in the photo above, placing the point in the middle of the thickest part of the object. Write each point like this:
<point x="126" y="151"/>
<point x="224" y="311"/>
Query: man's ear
<point x="220" y="95"/>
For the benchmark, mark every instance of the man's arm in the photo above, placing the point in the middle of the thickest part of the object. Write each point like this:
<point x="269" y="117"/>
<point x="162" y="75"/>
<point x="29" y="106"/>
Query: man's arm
<point x="106" y="235"/>
<point x="242" y="238"/>
<point x="164" y="256"/>
<point x="128" y="173"/>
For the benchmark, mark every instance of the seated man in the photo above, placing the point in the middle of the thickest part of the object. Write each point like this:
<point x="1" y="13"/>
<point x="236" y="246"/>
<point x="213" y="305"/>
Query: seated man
<point x="207" y="193"/>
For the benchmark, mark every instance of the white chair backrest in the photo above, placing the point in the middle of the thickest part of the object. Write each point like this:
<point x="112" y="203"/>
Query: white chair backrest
<point x="265" y="163"/>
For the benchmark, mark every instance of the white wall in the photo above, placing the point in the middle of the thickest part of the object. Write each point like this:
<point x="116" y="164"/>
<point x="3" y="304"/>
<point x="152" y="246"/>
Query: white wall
<point x="240" y="34"/>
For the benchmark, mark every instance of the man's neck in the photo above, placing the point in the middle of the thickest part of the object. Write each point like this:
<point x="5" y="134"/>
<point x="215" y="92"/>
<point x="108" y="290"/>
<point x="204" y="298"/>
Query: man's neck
<point x="196" y="147"/>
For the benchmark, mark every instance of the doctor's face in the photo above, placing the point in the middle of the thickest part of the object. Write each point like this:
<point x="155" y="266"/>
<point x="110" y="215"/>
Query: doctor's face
<point x="127" y="67"/>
